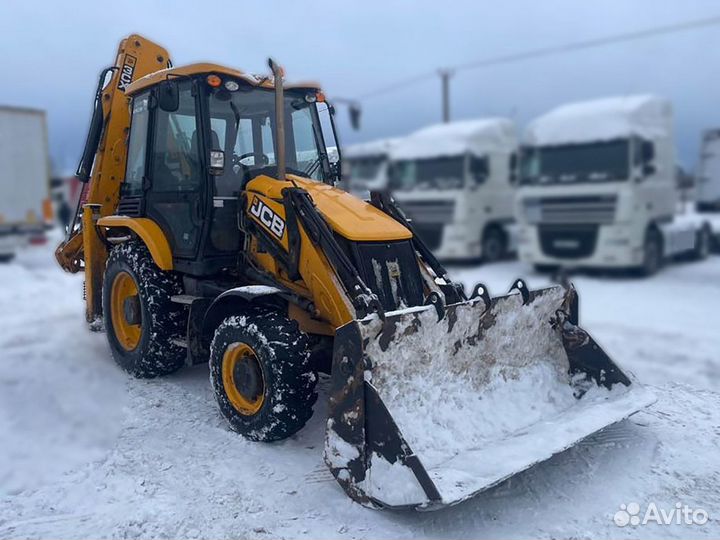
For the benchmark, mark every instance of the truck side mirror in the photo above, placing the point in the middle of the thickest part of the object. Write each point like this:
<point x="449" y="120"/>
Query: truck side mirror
<point x="168" y="97"/>
<point x="647" y="152"/>
<point x="648" y="169"/>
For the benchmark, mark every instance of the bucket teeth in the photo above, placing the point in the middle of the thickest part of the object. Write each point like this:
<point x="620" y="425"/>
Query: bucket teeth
<point x="436" y="301"/>
<point x="520" y="286"/>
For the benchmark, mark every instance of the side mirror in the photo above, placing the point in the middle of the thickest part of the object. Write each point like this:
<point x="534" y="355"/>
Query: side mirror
<point x="647" y="152"/>
<point x="168" y="97"/>
<point x="217" y="162"/>
<point x="648" y="169"/>
<point x="355" y="113"/>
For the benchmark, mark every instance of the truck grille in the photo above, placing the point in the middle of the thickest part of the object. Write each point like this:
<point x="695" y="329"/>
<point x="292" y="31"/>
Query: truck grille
<point x="568" y="242"/>
<point x="595" y="209"/>
<point x="424" y="212"/>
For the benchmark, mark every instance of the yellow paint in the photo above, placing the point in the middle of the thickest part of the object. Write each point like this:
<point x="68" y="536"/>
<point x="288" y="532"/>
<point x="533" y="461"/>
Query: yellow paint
<point x="207" y="68"/>
<point x="109" y="167"/>
<point x="128" y="335"/>
<point x="235" y="354"/>
<point x="149" y="232"/>
<point x="308" y="324"/>
<point x="349" y="216"/>
<point x="94" y="254"/>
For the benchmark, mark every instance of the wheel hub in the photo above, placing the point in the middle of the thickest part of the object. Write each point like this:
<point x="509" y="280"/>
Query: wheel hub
<point x="125" y="311"/>
<point x="243" y="379"/>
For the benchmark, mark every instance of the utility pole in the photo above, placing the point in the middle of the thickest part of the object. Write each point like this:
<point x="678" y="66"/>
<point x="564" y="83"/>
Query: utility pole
<point x="445" y="75"/>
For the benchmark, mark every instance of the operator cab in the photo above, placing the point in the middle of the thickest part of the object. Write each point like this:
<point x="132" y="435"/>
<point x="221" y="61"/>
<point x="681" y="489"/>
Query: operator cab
<point x="198" y="135"/>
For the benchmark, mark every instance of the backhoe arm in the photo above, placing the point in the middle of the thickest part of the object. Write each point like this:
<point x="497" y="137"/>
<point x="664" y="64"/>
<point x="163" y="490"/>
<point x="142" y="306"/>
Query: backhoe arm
<point x="102" y="166"/>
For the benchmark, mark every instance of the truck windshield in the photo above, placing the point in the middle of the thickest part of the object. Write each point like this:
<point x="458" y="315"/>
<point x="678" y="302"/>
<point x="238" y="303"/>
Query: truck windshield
<point x="243" y="126"/>
<point x="595" y="162"/>
<point x="433" y="173"/>
<point x="366" y="167"/>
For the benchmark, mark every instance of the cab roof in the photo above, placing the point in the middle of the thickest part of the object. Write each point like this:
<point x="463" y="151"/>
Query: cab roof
<point x="206" y="68"/>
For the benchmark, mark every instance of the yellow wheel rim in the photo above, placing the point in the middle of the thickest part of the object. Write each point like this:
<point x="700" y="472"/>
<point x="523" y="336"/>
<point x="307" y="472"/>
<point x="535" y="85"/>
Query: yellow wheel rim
<point x="243" y="378"/>
<point x="124" y="289"/>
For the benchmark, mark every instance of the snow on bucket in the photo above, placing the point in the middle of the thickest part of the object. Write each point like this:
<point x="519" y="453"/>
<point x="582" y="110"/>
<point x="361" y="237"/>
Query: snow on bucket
<point x="427" y="412"/>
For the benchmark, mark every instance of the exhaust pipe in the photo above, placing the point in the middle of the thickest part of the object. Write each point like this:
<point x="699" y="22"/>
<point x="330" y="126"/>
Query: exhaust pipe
<point x="279" y="118"/>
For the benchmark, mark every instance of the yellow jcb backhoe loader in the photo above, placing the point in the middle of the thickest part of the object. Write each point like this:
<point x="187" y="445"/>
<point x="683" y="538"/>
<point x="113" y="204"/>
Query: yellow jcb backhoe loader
<point x="210" y="229"/>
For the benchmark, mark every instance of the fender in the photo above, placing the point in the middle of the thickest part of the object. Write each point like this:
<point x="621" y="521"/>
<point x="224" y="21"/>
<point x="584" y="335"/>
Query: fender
<point x="149" y="232"/>
<point x="216" y="311"/>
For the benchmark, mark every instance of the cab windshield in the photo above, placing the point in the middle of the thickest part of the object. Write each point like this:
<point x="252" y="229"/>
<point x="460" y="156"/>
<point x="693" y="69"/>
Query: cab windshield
<point x="366" y="167"/>
<point x="433" y="173"/>
<point x="242" y="125"/>
<point x="594" y="162"/>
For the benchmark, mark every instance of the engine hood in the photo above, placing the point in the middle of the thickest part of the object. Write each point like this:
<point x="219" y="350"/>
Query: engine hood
<point x="347" y="215"/>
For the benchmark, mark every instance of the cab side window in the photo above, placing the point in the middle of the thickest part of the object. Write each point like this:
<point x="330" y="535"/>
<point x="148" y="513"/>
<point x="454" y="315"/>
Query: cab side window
<point x="176" y="155"/>
<point x="137" y="146"/>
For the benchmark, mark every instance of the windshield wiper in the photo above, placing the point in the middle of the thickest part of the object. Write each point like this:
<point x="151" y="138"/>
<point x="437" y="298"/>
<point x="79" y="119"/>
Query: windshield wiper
<point x="313" y="166"/>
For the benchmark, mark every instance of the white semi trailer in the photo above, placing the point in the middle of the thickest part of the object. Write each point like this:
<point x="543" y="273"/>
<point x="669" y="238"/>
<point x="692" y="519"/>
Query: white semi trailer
<point x="25" y="206"/>
<point x="456" y="182"/>
<point x="708" y="173"/>
<point x="366" y="166"/>
<point x="598" y="188"/>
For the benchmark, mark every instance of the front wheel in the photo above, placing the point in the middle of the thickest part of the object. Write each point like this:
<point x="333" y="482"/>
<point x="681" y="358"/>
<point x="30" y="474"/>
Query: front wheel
<point x="652" y="254"/>
<point x="494" y="245"/>
<point x="703" y="243"/>
<point x="261" y="374"/>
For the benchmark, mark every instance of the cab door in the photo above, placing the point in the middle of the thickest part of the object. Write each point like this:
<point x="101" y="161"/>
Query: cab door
<point x="176" y="177"/>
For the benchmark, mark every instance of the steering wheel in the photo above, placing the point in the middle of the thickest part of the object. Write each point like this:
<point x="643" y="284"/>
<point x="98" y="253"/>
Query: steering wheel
<point x="238" y="159"/>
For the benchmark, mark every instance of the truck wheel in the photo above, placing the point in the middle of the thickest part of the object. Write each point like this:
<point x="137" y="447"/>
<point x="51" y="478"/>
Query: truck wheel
<point x="261" y="374"/>
<point x="652" y="254"/>
<point x="140" y="319"/>
<point x="703" y="243"/>
<point x="6" y="257"/>
<point x="493" y="244"/>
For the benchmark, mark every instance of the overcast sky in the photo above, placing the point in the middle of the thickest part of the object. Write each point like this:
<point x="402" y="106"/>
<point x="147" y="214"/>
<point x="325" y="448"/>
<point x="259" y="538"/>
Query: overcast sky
<point x="53" y="51"/>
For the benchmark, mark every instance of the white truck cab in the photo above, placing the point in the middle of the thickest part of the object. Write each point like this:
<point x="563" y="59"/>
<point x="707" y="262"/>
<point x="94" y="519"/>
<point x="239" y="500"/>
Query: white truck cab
<point x="366" y="166"/>
<point x="456" y="182"/>
<point x="598" y="187"/>
<point x="708" y="174"/>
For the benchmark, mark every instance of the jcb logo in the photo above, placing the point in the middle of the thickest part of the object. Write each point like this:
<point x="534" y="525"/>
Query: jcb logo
<point x="126" y="73"/>
<point x="267" y="217"/>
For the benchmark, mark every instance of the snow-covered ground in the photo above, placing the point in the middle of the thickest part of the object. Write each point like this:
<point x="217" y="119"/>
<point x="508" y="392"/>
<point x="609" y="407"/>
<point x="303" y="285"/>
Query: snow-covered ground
<point x="87" y="451"/>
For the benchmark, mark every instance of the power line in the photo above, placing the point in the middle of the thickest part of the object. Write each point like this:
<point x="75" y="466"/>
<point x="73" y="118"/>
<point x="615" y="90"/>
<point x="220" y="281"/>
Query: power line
<point x="548" y="51"/>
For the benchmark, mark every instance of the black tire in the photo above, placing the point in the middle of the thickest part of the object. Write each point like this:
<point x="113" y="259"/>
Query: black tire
<point x="652" y="254"/>
<point x="161" y="320"/>
<point x="282" y="353"/>
<point x="703" y="244"/>
<point x="6" y="257"/>
<point x="494" y="244"/>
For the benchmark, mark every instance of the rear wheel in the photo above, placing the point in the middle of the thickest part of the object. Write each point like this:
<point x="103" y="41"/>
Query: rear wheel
<point x="140" y="319"/>
<point x="493" y="245"/>
<point x="261" y="374"/>
<point x="703" y="243"/>
<point x="652" y="253"/>
<point x="6" y="257"/>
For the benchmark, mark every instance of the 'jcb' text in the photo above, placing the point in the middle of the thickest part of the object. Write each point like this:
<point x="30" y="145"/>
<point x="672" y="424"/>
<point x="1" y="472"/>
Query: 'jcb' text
<point x="267" y="217"/>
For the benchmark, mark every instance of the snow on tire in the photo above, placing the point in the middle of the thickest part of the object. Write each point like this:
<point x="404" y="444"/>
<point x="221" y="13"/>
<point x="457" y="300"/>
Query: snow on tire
<point x="132" y="280"/>
<point x="267" y="343"/>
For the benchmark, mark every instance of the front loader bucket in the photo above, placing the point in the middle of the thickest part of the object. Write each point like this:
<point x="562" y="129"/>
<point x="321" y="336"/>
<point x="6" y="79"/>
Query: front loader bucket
<point x="436" y="404"/>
